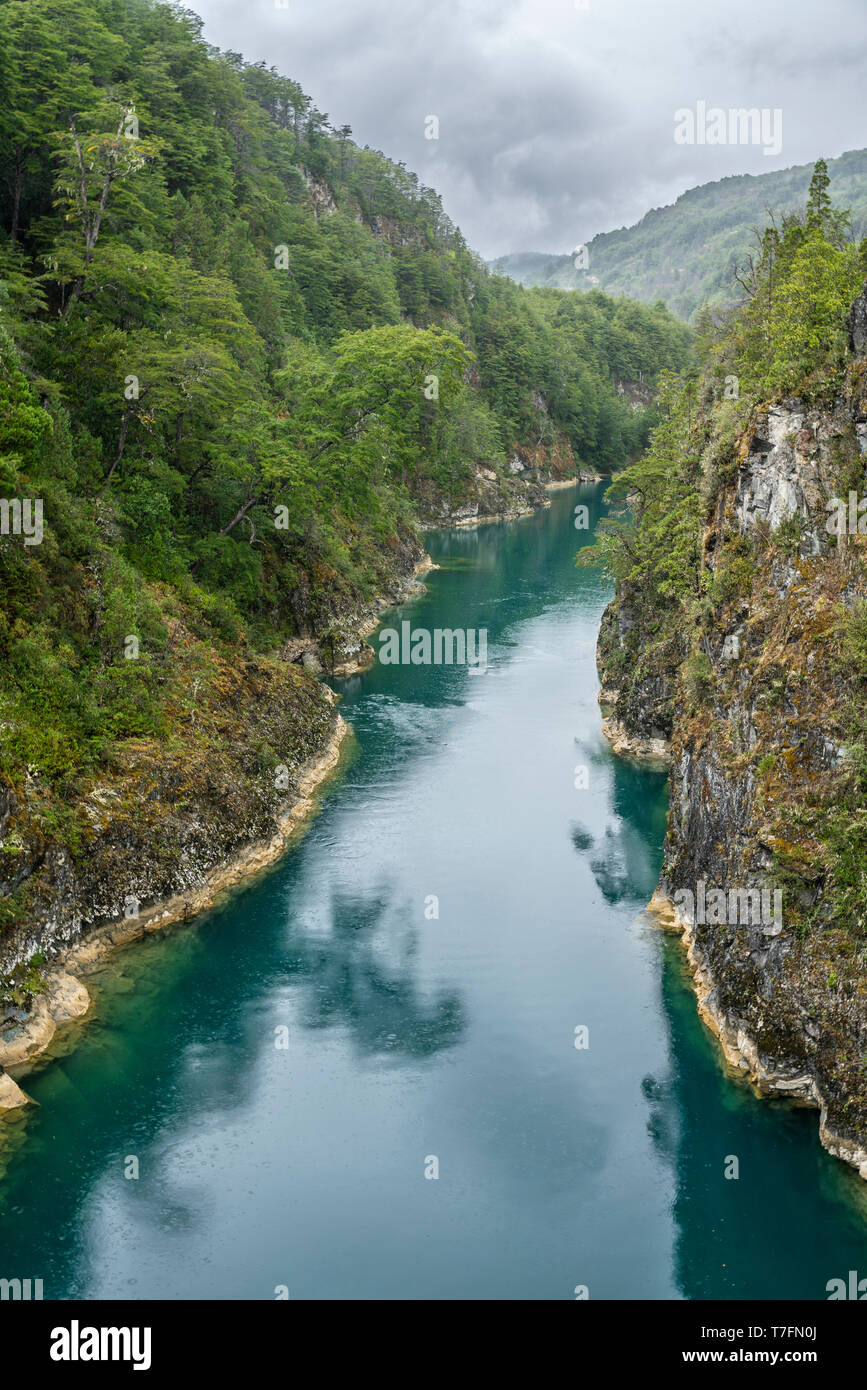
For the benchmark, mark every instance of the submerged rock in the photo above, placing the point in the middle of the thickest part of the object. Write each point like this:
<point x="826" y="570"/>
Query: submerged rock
<point x="11" y="1095"/>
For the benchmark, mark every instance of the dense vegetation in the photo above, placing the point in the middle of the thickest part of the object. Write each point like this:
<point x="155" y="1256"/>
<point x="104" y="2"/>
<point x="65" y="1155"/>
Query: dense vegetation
<point x="688" y="254"/>
<point x="789" y="335"/>
<point x="233" y="344"/>
<point x="693" y="578"/>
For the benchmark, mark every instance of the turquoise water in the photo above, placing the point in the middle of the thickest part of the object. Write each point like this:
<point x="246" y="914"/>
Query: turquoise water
<point x="413" y="1038"/>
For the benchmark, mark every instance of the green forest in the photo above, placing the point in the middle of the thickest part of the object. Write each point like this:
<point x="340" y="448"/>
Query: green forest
<point x="787" y="341"/>
<point x="689" y="254"/>
<point x="789" y="336"/>
<point x="237" y="348"/>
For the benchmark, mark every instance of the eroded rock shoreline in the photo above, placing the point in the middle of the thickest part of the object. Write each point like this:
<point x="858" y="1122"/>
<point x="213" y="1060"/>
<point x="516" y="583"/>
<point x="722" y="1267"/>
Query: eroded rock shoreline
<point x="67" y="997"/>
<point x="77" y="952"/>
<point x="770" y="1076"/>
<point x="750" y="714"/>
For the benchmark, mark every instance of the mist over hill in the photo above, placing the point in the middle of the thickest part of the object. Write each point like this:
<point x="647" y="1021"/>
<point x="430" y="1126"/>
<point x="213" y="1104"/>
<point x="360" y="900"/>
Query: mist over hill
<point x="687" y="254"/>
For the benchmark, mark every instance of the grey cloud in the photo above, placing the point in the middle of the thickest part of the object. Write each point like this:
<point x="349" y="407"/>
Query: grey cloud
<point x="557" y="123"/>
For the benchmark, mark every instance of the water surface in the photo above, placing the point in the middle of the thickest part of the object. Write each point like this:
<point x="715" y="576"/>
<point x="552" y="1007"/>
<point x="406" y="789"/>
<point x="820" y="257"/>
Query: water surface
<point x="414" y="1037"/>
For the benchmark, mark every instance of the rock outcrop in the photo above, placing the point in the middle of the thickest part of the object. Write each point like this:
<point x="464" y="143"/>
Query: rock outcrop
<point x="759" y="759"/>
<point x="487" y="495"/>
<point x="25" y="1034"/>
<point x="857" y="324"/>
<point x="154" y="834"/>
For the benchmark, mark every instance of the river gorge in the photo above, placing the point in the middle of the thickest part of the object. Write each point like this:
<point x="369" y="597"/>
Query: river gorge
<point x="438" y="1051"/>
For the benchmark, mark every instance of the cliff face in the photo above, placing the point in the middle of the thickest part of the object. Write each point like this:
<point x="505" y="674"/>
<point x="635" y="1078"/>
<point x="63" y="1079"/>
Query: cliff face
<point x="758" y="736"/>
<point x="487" y="494"/>
<point x="153" y="835"/>
<point x="167" y="811"/>
<point x="637" y="695"/>
<point x="175" y="817"/>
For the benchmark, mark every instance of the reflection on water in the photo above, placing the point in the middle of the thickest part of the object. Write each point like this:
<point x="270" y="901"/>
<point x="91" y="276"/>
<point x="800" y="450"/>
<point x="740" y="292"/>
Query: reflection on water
<point x="342" y="981"/>
<point x="791" y="1218"/>
<point x="407" y="985"/>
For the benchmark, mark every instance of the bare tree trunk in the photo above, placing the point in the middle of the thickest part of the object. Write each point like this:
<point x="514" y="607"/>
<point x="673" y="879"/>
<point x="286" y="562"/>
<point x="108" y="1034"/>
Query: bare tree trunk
<point x="239" y="515"/>
<point x="16" y="198"/>
<point x="121" y="445"/>
<point x="91" y="221"/>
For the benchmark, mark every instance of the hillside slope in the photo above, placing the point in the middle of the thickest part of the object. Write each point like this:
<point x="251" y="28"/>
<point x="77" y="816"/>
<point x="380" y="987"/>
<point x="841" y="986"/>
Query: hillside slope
<point x="687" y="254"/>
<point x="242" y="359"/>
<point x="737" y="641"/>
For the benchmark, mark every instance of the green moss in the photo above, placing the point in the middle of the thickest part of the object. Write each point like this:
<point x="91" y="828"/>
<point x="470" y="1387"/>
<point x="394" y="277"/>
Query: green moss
<point x="23" y="983"/>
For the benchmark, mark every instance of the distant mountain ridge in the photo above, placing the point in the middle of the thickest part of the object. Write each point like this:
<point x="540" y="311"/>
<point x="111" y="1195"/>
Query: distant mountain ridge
<point x="686" y="254"/>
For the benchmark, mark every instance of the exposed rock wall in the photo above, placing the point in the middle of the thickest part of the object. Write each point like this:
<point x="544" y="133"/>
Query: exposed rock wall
<point x="167" y="811"/>
<point x="487" y="495"/>
<point x="25" y="1034"/>
<point x="759" y="751"/>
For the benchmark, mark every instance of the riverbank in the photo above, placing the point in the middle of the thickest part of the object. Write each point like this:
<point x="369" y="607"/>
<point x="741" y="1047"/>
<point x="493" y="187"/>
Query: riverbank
<point x="756" y="728"/>
<point x="66" y="997"/>
<point x="63" y="997"/>
<point x="654" y="750"/>
<point x="770" y="1077"/>
<point x="740" y="647"/>
<point x="760" y="996"/>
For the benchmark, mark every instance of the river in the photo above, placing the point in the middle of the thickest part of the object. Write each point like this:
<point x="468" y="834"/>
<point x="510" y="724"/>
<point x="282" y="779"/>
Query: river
<point x="426" y="952"/>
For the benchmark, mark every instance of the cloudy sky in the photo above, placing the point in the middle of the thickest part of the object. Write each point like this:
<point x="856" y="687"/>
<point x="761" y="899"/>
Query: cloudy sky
<point x="556" y="117"/>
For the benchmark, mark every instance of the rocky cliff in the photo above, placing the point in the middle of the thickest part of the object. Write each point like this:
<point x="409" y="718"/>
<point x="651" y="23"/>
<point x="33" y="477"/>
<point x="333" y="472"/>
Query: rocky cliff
<point x="152" y="838"/>
<point x="176" y="819"/>
<point x="754" y="694"/>
<point x="173" y="819"/>
<point x="488" y="495"/>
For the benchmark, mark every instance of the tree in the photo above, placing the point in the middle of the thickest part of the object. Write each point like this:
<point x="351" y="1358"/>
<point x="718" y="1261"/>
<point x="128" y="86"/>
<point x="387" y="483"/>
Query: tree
<point x="88" y="167"/>
<point x="819" y="200"/>
<point x="809" y="309"/>
<point x="50" y="51"/>
<point x="821" y="214"/>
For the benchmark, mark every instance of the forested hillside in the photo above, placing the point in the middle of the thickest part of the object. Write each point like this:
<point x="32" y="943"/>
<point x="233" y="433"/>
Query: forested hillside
<point x="689" y="254"/>
<point x="239" y="354"/>
<point x="739" y="635"/>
